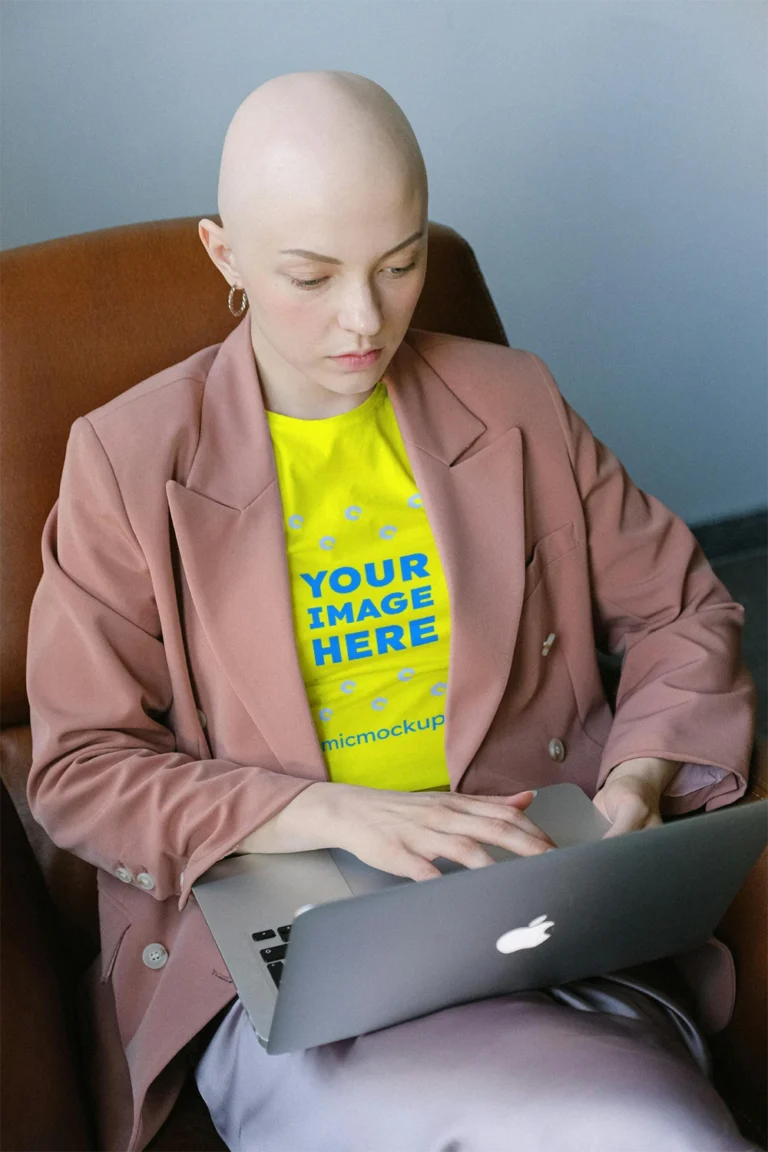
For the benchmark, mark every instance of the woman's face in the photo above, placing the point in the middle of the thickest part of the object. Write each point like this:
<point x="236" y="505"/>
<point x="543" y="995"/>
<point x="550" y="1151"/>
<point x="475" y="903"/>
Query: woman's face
<point x="354" y="294"/>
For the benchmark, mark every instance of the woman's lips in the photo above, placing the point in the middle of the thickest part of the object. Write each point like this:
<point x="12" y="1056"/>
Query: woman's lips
<point x="358" y="361"/>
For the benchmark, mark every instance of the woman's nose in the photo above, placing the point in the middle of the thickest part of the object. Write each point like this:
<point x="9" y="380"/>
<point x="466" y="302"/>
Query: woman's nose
<point x="361" y="311"/>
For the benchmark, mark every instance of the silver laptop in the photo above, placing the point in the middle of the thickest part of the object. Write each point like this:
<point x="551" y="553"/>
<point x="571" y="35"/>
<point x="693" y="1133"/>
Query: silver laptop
<point x="322" y="947"/>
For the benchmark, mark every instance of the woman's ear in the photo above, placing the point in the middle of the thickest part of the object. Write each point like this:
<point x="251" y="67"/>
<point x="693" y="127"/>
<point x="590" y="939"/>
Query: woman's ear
<point x="214" y="240"/>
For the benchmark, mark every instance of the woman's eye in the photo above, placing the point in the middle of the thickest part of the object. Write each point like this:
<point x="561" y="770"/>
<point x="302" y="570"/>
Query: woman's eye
<point x="401" y="272"/>
<point x="306" y="283"/>
<point x="309" y="285"/>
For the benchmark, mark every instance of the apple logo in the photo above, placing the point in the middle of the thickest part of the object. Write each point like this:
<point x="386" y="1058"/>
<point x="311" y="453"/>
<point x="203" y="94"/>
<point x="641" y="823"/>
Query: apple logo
<point x="536" y="933"/>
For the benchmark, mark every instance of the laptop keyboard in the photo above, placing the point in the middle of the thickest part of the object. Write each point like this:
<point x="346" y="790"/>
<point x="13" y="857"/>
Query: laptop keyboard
<point x="274" y="954"/>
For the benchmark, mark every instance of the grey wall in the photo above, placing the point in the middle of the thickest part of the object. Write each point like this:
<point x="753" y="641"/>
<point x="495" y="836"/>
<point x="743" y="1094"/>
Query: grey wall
<point x="607" y="161"/>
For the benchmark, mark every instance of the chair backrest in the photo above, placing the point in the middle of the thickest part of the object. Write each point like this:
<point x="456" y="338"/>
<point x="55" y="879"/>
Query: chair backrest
<point x="82" y="319"/>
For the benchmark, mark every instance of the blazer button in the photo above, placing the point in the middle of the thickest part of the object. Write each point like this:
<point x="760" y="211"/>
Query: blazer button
<point x="154" y="956"/>
<point x="145" y="880"/>
<point x="556" y="749"/>
<point x="202" y="718"/>
<point x="124" y="874"/>
<point x="548" y="644"/>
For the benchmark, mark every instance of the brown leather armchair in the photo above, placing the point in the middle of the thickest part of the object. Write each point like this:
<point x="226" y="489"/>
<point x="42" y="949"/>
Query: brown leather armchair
<point x="84" y="318"/>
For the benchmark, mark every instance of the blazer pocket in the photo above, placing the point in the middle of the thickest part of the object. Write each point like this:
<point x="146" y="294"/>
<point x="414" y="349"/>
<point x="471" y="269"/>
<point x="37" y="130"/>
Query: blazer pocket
<point x="114" y="922"/>
<point x="548" y="549"/>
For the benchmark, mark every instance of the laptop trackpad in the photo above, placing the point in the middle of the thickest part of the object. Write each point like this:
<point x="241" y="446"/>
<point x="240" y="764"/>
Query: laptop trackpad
<point x="360" y="877"/>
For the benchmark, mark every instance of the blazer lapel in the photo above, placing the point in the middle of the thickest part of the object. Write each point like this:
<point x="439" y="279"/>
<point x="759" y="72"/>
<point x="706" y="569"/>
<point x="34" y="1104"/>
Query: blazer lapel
<point x="473" y="496"/>
<point x="228" y="520"/>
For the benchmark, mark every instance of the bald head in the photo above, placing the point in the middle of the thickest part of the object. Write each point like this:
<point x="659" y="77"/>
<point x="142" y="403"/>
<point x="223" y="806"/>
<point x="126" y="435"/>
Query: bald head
<point x="323" y="201"/>
<point x="315" y="142"/>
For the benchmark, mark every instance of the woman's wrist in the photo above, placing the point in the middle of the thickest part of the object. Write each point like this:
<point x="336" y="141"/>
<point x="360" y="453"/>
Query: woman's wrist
<point x="653" y="770"/>
<point x="298" y="827"/>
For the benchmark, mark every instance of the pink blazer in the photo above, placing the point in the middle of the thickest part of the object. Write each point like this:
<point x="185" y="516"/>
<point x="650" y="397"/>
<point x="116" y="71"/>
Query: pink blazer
<point x="168" y="711"/>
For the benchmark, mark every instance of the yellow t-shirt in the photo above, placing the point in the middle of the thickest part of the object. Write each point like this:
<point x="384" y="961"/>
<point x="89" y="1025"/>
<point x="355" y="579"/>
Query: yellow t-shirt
<point x="370" y="602"/>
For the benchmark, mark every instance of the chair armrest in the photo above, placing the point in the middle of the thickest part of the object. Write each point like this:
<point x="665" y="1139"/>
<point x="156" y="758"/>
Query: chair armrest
<point x="758" y="777"/>
<point x="740" y="1051"/>
<point x="42" y="1105"/>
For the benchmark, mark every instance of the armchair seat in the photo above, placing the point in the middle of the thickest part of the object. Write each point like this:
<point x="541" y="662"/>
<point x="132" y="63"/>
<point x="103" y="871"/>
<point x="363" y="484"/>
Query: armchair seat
<point x="68" y="348"/>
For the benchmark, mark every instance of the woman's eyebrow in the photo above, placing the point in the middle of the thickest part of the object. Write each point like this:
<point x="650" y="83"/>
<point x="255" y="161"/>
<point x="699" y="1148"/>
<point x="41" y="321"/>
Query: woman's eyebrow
<point x="332" y="259"/>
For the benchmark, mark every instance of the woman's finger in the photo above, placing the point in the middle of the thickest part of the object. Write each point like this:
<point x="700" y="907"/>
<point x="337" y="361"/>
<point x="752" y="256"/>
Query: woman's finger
<point x="412" y="865"/>
<point x="631" y="813"/>
<point x="463" y="849"/>
<point x="515" y="799"/>
<point x="500" y="831"/>
<point x="519" y="799"/>
<point x="490" y="808"/>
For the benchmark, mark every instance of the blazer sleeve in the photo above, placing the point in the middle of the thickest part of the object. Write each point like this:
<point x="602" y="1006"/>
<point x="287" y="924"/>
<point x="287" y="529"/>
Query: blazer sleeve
<point x="106" y="781"/>
<point x="684" y="692"/>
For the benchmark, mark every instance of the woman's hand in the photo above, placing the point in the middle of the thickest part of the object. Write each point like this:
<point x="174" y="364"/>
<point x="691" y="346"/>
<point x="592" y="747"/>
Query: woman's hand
<point x="401" y="832"/>
<point x="631" y="795"/>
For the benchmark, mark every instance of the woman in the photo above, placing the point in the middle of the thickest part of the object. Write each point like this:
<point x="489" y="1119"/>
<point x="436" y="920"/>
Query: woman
<point x="260" y="555"/>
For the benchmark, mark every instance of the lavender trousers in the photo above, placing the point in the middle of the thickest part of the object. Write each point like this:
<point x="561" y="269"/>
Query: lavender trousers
<point x="595" y="1066"/>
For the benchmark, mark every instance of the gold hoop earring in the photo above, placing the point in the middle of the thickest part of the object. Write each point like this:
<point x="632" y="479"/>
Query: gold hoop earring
<point x="243" y="303"/>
